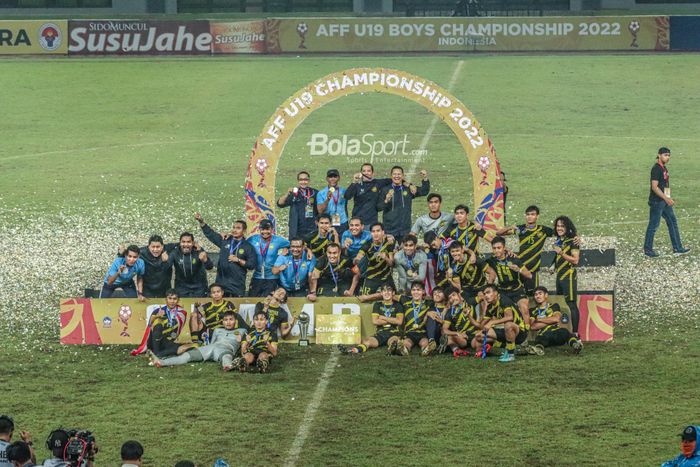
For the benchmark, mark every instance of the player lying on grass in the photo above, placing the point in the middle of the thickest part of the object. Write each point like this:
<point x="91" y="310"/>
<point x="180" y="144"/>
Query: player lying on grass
<point x="387" y="316"/>
<point x="208" y="317"/>
<point x="502" y="311"/>
<point x="259" y="346"/>
<point x="460" y="326"/>
<point x="223" y="347"/>
<point x="416" y="308"/>
<point x="545" y="318"/>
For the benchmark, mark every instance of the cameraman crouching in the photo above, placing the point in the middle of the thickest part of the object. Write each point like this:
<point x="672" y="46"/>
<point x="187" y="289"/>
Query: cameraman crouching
<point x="71" y="448"/>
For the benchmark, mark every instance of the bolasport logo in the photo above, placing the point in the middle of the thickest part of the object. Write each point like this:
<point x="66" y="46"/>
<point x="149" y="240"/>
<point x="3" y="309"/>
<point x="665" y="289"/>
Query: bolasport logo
<point x="367" y="145"/>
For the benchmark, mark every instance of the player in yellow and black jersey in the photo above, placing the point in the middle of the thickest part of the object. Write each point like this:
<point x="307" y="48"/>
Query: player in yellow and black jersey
<point x="325" y="235"/>
<point x="380" y="255"/>
<point x="467" y="272"/>
<point x="531" y="237"/>
<point x="461" y="325"/>
<point x="259" y="345"/>
<point x="209" y="316"/>
<point x="565" y="262"/>
<point x="501" y="310"/>
<point x="333" y="276"/>
<point x="165" y="325"/>
<point x="509" y="270"/>
<point x="464" y="231"/>
<point x="416" y="308"/>
<point x="387" y="316"/>
<point x="436" y="314"/>
<point x="438" y="260"/>
<point x="545" y="318"/>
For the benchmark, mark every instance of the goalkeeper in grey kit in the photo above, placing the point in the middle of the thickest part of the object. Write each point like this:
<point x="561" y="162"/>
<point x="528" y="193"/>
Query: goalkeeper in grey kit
<point x="224" y="345"/>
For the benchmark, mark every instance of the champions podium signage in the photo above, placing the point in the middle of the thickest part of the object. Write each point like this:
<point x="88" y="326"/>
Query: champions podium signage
<point x="330" y="320"/>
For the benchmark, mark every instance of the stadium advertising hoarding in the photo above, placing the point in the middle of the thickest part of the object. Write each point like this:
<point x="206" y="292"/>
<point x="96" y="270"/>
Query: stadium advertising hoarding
<point x="498" y="34"/>
<point x="34" y="37"/>
<point x="242" y="37"/>
<point x="139" y="37"/>
<point x="123" y="321"/>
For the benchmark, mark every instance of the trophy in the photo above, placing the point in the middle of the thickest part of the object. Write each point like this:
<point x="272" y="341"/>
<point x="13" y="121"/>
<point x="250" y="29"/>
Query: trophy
<point x="304" y="319"/>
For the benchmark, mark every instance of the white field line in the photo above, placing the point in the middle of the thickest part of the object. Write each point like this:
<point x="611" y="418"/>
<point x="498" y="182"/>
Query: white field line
<point x="429" y="132"/>
<point x="311" y="410"/>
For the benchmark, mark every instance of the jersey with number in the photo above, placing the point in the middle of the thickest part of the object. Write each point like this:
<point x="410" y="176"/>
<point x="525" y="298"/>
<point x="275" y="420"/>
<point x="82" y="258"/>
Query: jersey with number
<point x="415" y="314"/>
<point x="214" y="314"/>
<point x="317" y="243"/>
<point x="468" y="237"/>
<point x="499" y="309"/>
<point x="531" y="244"/>
<point x="546" y="311"/>
<point x="564" y="268"/>
<point x="508" y="280"/>
<point x="378" y="268"/>
<point x="392" y="310"/>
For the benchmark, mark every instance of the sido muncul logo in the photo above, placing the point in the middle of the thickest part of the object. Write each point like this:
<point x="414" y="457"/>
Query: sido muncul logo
<point x="49" y="37"/>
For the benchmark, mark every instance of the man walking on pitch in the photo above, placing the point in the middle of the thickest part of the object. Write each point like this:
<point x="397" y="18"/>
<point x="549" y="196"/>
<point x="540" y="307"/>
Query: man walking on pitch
<point x="661" y="205"/>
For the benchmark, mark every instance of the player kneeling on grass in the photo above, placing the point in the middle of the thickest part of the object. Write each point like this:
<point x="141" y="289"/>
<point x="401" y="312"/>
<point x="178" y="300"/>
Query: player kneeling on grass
<point x="501" y="310"/>
<point x="460" y="325"/>
<point x="387" y="316"/>
<point x="545" y="319"/>
<point x="416" y="309"/>
<point x="259" y="346"/>
<point x="224" y="345"/>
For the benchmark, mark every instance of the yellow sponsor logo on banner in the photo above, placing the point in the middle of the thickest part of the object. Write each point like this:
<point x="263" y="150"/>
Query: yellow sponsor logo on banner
<point x="33" y="37"/>
<point x="338" y="329"/>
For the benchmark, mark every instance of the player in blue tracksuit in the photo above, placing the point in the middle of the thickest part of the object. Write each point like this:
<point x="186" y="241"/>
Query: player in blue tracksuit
<point x="267" y="247"/>
<point x="690" y="449"/>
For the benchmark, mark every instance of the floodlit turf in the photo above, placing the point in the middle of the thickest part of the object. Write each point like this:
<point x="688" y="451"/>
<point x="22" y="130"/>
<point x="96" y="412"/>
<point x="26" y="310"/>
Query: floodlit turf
<point x="97" y="151"/>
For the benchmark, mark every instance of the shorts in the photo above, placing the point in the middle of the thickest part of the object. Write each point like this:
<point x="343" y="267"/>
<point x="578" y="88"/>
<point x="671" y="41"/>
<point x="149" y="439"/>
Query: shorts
<point x="519" y="339"/>
<point x="262" y="287"/>
<point x="165" y="348"/>
<point x="532" y="284"/>
<point x="515" y="295"/>
<point x="297" y="293"/>
<point x="257" y="352"/>
<point x="327" y="290"/>
<point x="415" y="336"/>
<point x="568" y="287"/>
<point x="384" y="336"/>
<point x="372" y="286"/>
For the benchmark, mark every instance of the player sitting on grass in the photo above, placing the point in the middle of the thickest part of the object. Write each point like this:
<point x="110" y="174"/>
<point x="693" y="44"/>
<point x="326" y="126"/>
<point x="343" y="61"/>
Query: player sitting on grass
<point x="460" y="325"/>
<point x="416" y="309"/>
<point x="278" y="319"/>
<point x="545" y="319"/>
<point x="259" y="346"/>
<point x="224" y="345"/>
<point x="209" y="316"/>
<point x="164" y="327"/>
<point x="387" y="316"/>
<point x="502" y="310"/>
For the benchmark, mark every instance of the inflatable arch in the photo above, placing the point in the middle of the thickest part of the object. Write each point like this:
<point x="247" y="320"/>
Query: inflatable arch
<point x="488" y="187"/>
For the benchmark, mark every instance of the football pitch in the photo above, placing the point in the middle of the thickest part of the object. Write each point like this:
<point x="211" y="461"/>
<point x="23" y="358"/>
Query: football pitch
<point x="96" y="152"/>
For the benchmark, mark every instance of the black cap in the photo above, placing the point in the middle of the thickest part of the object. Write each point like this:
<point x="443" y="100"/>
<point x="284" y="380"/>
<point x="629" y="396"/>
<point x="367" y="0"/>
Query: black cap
<point x="333" y="173"/>
<point x="664" y="150"/>
<point x="265" y="224"/>
<point x="689" y="434"/>
<point x="57" y="440"/>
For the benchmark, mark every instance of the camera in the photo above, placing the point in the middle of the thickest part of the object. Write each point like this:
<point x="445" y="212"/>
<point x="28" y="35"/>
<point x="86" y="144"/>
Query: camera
<point x="81" y="448"/>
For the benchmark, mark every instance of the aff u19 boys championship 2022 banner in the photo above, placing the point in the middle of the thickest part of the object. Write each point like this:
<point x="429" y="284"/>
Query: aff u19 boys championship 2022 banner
<point x="331" y="320"/>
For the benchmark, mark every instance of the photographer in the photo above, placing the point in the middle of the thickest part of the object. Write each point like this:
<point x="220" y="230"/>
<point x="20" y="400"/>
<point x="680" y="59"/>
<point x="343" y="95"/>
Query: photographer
<point x="132" y="452"/>
<point x="19" y="454"/>
<point x="71" y="448"/>
<point x="7" y="429"/>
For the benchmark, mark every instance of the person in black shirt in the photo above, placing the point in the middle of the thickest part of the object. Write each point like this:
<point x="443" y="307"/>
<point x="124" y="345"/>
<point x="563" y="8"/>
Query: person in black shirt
<point x="301" y="201"/>
<point x="661" y="205"/>
<point x="278" y="318"/>
<point x="190" y="268"/>
<point x="510" y="272"/>
<point x="364" y="191"/>
<point x="396" y="201"/>
<point x="333" y="276"/>
<point x="159" y="272"/>
<point x="236" y="256"/>
<point x="326" y="234"/>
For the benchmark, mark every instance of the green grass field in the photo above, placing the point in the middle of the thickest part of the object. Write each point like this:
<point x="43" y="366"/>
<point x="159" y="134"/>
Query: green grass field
<point x="98" y="151"/>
